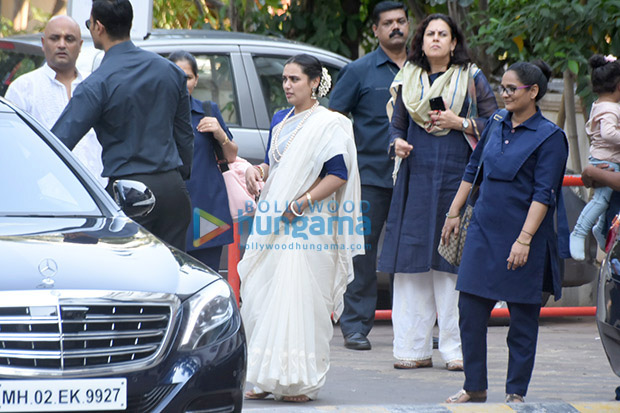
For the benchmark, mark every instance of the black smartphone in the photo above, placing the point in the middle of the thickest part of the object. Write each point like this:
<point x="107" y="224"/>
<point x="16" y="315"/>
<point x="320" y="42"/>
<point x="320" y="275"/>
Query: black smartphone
<point x="437" y="103"/>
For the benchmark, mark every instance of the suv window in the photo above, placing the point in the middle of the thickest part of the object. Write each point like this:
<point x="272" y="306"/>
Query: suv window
<point x="215" y="82"/>
<point x="269" y="70"/>
<point x="13" y="65"/>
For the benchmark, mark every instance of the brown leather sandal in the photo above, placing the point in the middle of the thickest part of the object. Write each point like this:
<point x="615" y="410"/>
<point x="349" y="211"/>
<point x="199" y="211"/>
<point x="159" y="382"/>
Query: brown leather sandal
<point x="455" y="365"/>
<point x="256" y="394"/>
<point x="301" y="398"/>
<point x="464" y="396"/>
<point x="514" y="398"/>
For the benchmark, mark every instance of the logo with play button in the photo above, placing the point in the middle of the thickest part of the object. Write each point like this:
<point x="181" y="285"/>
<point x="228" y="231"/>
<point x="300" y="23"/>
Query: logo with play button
<point x="207" y="227"/>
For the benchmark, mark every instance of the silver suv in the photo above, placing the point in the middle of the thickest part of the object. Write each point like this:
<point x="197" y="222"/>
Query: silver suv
<point x="241" y="72"/>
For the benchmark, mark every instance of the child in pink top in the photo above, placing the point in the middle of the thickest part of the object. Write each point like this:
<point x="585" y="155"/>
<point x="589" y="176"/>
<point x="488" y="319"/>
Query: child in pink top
<point x="603" y="129"/>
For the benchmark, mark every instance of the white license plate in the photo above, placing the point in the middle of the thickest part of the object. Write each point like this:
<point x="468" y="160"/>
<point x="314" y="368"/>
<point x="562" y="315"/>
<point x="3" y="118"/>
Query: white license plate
<point x="63" y="395"/>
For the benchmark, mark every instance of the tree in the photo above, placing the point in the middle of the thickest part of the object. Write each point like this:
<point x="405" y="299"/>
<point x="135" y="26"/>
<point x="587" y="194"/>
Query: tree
<point x="564" y="33"/>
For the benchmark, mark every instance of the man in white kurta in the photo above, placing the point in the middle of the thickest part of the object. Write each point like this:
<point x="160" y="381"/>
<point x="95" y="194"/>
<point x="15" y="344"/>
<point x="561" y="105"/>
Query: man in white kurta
<point x="45" y="92"/>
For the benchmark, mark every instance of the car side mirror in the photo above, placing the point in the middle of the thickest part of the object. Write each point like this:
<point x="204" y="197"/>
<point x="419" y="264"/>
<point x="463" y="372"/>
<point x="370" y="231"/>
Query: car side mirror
<point x="134" y="198"/>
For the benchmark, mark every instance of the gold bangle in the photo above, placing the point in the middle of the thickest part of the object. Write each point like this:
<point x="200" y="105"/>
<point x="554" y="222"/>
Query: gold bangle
<point x="261" y="171"/>
<point x="308" y="197"/>
<point x="523" y="243"/>
<point x="226" y="140"/>
<point x="451" y="216"/>
<point x="531" y="235"/>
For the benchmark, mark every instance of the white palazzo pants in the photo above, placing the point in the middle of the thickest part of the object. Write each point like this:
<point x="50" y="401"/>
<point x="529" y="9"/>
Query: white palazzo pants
<point x="419" y="300"/>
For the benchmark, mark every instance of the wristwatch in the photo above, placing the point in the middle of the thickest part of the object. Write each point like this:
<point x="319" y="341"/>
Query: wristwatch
<point x="465" y="124"/>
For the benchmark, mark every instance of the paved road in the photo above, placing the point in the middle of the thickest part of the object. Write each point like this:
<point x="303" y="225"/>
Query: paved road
<point x="571" y="375"/>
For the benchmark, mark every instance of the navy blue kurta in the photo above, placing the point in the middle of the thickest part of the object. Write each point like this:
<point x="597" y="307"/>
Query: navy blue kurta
<point x="206" y="185"/>
<point x="521" y="165"/>
<point x="427" y="182"/>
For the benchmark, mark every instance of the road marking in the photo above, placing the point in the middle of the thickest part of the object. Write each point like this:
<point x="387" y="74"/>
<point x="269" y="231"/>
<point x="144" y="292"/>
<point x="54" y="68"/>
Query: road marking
<point x="478" y="408"/>
<point x="554" y="407"/>
<point x="597" y="407"/>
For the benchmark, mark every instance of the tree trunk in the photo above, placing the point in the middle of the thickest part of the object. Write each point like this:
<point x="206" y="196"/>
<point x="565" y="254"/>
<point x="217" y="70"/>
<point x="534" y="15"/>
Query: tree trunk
<point x="20" y="14"/>
<point x="417" y="10"/>
<point x="352" y="8"/>
<point x="561" y="118"/>
<point x="58" y="6"/>
<point x="201" y="8"/>
<point x="233" y="15"/>
<point x="571" y="121"/>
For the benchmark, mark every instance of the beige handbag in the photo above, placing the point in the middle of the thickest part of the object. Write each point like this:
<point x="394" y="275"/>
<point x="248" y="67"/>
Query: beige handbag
<point x="454" y="250"/>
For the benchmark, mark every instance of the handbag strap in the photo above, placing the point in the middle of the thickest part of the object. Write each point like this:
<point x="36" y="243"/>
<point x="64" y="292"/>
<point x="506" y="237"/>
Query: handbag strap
<point x="497" y="118"/>
<point x="219" y="153"/>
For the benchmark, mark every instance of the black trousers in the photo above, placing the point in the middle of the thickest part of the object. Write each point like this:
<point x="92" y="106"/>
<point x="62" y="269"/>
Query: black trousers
<point x="172" y="213"/>
<point x="360" y="299"/>
<point x="474" y="314"/>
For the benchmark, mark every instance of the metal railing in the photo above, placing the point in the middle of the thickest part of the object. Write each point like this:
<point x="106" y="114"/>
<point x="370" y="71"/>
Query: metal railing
<point x="234" y="254"/>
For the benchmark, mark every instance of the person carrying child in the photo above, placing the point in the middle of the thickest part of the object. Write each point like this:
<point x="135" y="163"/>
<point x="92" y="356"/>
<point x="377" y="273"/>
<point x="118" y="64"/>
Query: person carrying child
<point x="603" y="129"/>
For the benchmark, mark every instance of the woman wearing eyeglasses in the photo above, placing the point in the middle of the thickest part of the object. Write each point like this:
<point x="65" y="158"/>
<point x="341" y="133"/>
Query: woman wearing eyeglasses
<point x="512" y="252"/>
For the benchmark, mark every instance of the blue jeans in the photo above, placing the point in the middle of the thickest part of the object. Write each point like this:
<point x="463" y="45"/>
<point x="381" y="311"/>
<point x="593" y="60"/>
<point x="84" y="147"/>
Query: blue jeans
<point x="360" y="299"/>
<point x="596" y="207"/>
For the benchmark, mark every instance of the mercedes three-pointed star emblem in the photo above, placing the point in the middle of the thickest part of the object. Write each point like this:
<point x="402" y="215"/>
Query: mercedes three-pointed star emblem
<point x="48" y="268"/>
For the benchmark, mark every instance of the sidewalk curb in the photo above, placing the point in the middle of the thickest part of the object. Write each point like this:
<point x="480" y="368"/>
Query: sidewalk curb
<point x="555" y="407"/>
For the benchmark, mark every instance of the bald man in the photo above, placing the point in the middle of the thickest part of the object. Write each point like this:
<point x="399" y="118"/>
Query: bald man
<point x="45" y="92"/>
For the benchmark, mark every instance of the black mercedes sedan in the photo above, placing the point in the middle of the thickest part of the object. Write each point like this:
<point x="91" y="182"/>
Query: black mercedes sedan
<point x="97" y="314"/>
<point x="608" y="298"/>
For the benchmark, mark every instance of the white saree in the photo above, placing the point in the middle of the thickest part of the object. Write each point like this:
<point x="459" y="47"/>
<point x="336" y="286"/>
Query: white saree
<point x="291" y="284"/>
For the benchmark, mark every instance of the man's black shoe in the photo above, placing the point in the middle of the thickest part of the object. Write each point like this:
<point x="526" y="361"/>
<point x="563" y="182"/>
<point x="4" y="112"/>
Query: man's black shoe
<point x="357" y="341"/>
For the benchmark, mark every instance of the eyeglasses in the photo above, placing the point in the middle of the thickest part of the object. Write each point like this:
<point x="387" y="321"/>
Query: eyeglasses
<point x="510" y="90"/>
<point x="87" y="23"/>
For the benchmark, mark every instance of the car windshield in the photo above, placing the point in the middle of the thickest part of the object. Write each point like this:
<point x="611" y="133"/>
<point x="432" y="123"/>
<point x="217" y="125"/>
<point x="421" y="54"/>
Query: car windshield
<point x="35" y="180"/>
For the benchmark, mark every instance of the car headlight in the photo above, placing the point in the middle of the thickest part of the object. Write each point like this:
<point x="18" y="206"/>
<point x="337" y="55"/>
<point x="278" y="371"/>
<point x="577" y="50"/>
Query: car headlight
<point x="211" y="316"/>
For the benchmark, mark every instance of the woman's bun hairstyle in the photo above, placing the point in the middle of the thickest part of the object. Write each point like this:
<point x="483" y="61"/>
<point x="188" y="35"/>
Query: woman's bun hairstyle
<point x="537" y="72"/>
<point x="544" y="67"/>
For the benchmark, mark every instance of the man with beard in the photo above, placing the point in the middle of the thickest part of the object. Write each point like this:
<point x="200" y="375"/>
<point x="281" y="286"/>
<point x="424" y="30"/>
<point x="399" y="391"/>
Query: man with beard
<point x="138" y="104"/>
<point x="363" y="91"/>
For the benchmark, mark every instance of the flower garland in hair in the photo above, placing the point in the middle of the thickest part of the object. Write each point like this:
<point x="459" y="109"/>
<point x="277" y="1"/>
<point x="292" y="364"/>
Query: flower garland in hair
<point x="610" y="58"/>
<point x="325" y="84"/>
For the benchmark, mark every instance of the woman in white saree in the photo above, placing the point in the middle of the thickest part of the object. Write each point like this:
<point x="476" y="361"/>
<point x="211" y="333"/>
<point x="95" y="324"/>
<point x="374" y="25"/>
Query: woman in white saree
<point x="307" y="228"/>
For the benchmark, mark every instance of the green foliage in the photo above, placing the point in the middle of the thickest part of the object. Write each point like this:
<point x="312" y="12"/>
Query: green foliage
<point x="330" y="24"/>
<point x="564" y="33"/>
<point x="176" y="14"/>
<point x="325" y="25"/>
<point x="39" y="16"/>
<point x="6" y="27"/>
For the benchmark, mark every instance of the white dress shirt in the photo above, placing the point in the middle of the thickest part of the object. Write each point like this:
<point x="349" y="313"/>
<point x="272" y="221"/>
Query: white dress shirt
<point x="42" y="96"/>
